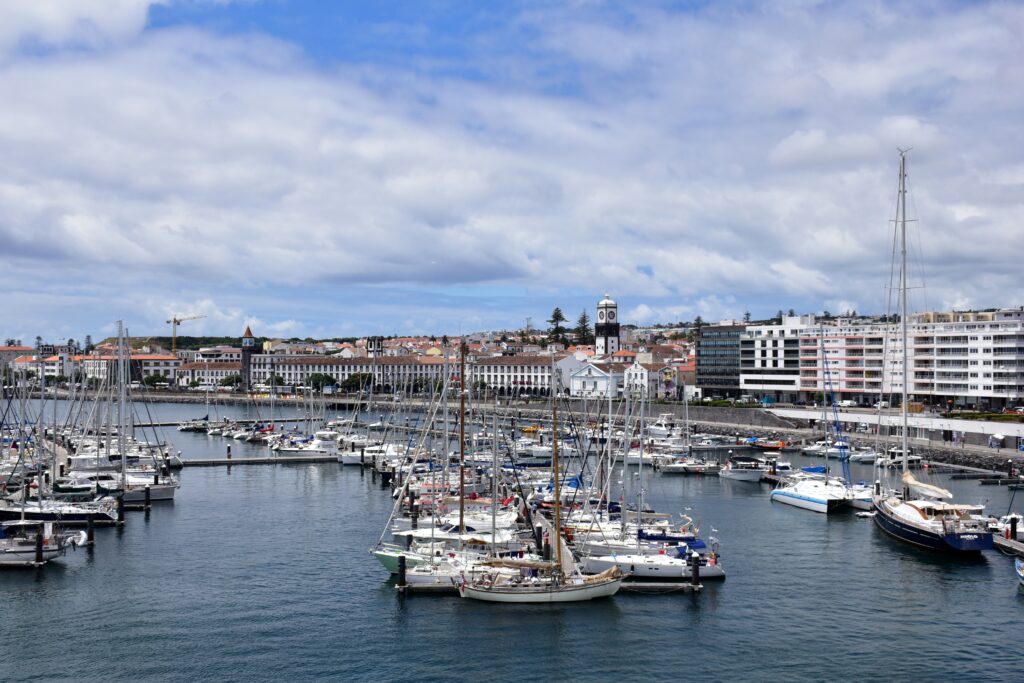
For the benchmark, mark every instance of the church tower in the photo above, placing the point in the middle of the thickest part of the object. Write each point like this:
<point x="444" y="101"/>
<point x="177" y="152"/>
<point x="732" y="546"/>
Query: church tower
<point x="248" y="346"/>
<point x="606" y="330"/>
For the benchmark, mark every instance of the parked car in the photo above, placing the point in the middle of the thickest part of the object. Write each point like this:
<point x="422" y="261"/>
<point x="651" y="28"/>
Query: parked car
<point x="881" y="404"/>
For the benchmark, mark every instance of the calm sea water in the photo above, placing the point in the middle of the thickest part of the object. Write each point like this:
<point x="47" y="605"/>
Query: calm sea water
<point x="262" y="573"/>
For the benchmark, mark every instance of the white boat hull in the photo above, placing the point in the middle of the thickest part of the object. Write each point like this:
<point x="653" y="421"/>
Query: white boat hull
<point x="653" y="567"/>
<point x="740" y="474"/>
<point x="821" y="505"/>
<point x="542" y="594"/>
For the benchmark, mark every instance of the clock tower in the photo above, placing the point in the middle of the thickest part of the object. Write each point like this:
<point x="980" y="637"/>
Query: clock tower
<point x="248" y="346"/>
<point x="606" y="330"/>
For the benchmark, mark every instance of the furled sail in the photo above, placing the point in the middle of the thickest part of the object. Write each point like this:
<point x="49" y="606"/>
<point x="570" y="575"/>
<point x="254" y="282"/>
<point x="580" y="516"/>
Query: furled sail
<point x="924" y="489"/>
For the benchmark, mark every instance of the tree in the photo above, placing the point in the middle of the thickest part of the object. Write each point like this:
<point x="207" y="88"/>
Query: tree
<point x="826" y="315"/>
<point x="444" y="340"/>
<point x="355" y="382"/>
<point x="557" y="331"/>
<point x="791" y="313"/>
<point x="88" y="344"/>
<point x="230" y="380"/>
<point x="583" y="333"/>
<point x="275" y="380"/>
<point x="39" y="342"/>
<point x="778" y="316"/>
<point x="746" y="317"/>
<point x="319" y="380"/>
<point x="153" y="380"/>
<point x="194" y="384"/>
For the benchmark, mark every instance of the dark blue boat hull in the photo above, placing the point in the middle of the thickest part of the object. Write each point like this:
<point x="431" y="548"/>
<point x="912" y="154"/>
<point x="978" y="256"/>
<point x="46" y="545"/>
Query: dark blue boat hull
<point x="964" y="543"/>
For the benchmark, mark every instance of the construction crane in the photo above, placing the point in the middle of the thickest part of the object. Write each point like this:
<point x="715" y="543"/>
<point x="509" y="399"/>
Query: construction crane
<point x="174" y="322"/>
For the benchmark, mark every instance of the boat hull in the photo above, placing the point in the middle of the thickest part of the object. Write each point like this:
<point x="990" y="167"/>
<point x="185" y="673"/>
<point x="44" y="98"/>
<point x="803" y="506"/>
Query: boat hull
<point x="1018" y="565"/>
<point x="653" y="567"/>
<point x="822" y="505"/>
<point x="543" y="594"/>
<point x="957" y="543"/>
<point x="158" y="492"/>
<point x="740" y="474"/>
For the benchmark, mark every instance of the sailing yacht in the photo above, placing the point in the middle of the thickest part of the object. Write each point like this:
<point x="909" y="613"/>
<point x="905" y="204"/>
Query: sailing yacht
<point x="924" y="520"/>
<point x="541" y="581"/>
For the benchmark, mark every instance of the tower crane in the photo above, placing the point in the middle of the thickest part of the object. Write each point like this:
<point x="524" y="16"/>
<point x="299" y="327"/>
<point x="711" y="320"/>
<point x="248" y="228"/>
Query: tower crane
<point x="174" y="322"/>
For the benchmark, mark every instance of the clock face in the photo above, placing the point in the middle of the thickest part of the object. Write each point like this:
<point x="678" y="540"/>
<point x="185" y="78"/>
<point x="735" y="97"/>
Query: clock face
<point x="611" y="315"/>
<point x="600" y="315"/>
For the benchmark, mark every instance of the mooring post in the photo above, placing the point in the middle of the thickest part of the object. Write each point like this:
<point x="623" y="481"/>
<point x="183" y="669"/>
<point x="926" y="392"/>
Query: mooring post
<point x="695" y="569"/>
<point x="90" y="531"/>
<point x="39" y="544"/>
<point x="402" y="584"/>
<point x="120" y="509"/>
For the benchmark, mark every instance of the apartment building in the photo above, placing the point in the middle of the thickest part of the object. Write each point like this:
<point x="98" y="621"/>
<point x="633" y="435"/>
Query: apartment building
<point x="963" y="358"/>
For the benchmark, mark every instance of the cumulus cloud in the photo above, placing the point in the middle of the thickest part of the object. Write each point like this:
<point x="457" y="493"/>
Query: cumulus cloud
<point x="701" y="162"/>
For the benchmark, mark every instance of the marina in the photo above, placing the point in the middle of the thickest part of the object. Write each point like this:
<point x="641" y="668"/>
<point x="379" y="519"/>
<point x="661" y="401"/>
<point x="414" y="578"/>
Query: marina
<point x="334" y="512"/>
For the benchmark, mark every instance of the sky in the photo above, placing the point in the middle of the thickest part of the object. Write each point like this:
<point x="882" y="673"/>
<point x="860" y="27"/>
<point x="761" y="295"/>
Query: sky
<point x="348" y="168"/>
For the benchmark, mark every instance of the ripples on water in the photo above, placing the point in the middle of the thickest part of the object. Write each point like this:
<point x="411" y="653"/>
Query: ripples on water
<point x="261" y="573"/>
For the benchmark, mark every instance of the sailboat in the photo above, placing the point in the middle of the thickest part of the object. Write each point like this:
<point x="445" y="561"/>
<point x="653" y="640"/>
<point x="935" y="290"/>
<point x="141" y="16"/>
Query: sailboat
<point x="543" y="581"/>
<point x="29" y="544"/>
<point x="923" y="520"/>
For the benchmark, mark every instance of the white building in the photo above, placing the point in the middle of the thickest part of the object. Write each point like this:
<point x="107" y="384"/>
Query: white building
<point x="593" y="381"/>
<point x="209" y="373"/>
<point x="770" y="358"/>
<point x="651" y="379"/>
<point x="523" y="375"/>
<point x="959" y="358"/>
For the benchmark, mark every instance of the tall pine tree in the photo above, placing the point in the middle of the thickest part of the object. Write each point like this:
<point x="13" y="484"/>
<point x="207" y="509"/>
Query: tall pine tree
<point x="557" y="331"/>
<point x="584" y="335"/>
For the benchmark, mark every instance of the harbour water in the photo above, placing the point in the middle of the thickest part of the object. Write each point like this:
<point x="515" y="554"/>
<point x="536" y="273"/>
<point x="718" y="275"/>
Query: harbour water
<point x="262" y="573"/>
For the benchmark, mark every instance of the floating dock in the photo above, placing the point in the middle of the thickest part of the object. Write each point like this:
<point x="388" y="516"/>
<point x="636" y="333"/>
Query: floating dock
<point x="1008" y="546"/>
<point x="226" y="462"/>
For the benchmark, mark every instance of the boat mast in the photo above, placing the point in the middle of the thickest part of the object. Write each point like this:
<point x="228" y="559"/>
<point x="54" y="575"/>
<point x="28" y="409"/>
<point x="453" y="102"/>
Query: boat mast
<point x="554" y="467"/>
<point x="462" y="437"/>
<point x="903" y="301"/>
<point x="121" y="399"/>
<point x="494" y="489"/>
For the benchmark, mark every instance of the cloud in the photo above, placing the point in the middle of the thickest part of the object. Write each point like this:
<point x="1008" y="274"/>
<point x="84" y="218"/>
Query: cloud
<point x="707" y="161"/>
<point x="59" y="23"/>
